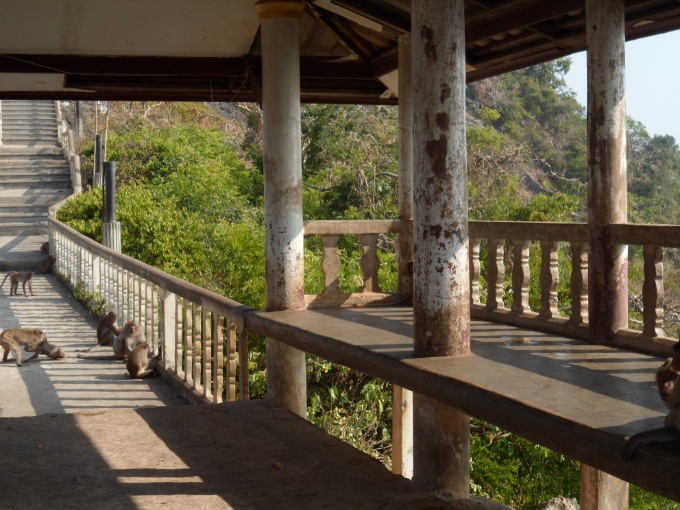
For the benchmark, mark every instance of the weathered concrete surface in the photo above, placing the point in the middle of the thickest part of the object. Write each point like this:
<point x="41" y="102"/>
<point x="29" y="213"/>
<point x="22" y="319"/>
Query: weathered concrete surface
<point x="69" y="385"/>
<point x="20" y="253"/>
<point x="242" y="455"/>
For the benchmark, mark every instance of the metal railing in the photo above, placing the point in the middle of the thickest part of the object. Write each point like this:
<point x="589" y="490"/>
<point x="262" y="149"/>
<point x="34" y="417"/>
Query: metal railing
<point x="197" y="331"/>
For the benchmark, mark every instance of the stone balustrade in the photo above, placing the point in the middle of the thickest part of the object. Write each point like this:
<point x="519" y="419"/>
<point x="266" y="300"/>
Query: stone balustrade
<point x="197" y="331"/>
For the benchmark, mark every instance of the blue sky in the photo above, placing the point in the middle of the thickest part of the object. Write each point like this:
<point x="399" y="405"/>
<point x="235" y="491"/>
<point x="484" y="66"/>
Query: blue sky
<point x="652" y="85"/>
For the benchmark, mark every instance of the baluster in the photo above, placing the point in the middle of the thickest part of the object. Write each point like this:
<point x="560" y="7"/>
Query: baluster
<point x="179" y="337"/>
<point x="96" y="280"/>
<point x="520" y="276"/>
<point x="152" y="318"/>
<point x="168" y="319"/>
<point x="579" y="283"/>
<point x="230" y="376"/>
<point x="218" y="358"/>
<point x="133" y="297"/>
<point x="206" y="344"/>
<point x="653" y="291"/>
<point x="188" y="340"/>
<point x="475" y="270"/>
<point x="370" y="262"/>
<point x="495" y="274"/>
<point x="244" y="384"/>
<point x="197" y="352"/>
<point x="330" y="265"/>
<point x="549" y="279"/>
<point x="141" y="311"/>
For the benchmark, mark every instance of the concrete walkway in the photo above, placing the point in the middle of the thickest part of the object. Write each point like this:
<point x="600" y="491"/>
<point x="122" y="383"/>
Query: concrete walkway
<point x="69" y="385"/>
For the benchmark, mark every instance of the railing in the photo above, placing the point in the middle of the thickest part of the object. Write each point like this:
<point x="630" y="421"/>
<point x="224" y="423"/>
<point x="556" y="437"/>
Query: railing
<point x="65" y="137"/>
<point x="197" y="331"/>
<point x="506" y="299"/>
<point x="367" y="231"/>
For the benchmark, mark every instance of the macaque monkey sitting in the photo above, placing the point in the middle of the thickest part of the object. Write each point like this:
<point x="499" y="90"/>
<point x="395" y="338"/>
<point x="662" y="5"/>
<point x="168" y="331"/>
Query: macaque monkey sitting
<point x="15" y="278"/>
<point x="130" y="337"/>
<point x="108" y="329"/>
<point x="45" y="265"/>
<point x="139" y="365"/>
<point x="32" y="340"/>
<point x="668" y="386"/>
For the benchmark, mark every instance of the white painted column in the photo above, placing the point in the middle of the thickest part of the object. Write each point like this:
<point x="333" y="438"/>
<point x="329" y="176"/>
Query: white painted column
<point x="286" y="371"/>
<point x="402" y="399"/>
<point x="441" y="301"/>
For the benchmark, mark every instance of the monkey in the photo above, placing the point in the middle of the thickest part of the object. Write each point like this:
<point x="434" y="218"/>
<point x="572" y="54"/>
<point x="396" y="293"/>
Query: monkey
<point x="15" y="278"/>
<point x="108" y="329"/>
<point x="668" y="386"/>
<point x="32" y="340"/>
<point x="45" y="265"/>
<point x="45" y="247"/>
<point x="130" y="336"/>
<point x="128" y="339"/>
<point x="139" y="365"/>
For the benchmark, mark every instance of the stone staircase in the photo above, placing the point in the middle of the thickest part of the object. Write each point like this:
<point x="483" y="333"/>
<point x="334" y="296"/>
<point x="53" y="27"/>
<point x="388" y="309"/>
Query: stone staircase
<point x="34" y="171"/>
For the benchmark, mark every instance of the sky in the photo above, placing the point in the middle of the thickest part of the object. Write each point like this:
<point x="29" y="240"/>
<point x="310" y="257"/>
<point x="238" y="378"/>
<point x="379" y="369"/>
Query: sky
<point x="652" y="85"/>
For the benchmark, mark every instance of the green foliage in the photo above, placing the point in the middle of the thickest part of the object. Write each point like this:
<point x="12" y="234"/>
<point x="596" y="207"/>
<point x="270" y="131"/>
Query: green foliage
<point x="517" y="472"/>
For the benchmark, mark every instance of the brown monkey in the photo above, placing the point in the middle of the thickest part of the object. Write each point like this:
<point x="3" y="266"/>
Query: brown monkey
<point x="33" y="340"/>
<point x="108" y="329"/>
<point x="139" y="365"/>
<point x="668" y="386"/>
<point x="45" y="265"/>
<point x="15" y="278"/>
<point x="45" y="247"/>
<point x="130" y="337"/>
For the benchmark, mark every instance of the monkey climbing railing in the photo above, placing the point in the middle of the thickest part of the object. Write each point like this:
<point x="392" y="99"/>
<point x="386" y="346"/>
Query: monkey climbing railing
<point x="500" y="273"/>
<point x="197" y="331"/>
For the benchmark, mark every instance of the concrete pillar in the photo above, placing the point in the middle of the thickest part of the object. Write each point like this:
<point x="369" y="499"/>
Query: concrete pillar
<point x="402" y="432"/>
<point x="286" y="371"/>
<point x="607" y="204"/>
<point x="402" y="399"/>
<point x="607" y="200"/>
<point x="601" y="491"/>
<point x="405" y="241"/>
<point x="441" y="304"/>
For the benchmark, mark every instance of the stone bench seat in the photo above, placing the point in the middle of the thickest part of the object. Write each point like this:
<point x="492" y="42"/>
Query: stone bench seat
<point x="576" y="398"/>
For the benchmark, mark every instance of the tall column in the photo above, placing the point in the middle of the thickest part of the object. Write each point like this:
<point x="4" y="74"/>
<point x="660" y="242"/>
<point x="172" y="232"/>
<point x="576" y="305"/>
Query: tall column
<point x="607" y="204"/>
<point x="441" y="304"/>
<point x="286" y="373"/>
<point x="402" y="410"/>
<point x="607" y="200"/>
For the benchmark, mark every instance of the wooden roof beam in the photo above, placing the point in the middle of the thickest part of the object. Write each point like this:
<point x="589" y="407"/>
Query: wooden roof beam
<point x="375" y="14"/>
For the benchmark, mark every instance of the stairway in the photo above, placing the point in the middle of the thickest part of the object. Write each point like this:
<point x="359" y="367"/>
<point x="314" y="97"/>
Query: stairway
<point x="34" y="171"/>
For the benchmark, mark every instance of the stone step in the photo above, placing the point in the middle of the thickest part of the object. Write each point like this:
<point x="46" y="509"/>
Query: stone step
<point x="32" y="164"/>
<point x="35" y="171"/>
<point x="40" y="184"/>
<point x="20" y="229"/>
<point x="23" y="209"/>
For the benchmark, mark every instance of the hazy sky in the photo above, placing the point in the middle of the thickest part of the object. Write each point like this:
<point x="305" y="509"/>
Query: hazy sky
<point x="652" y="82"/>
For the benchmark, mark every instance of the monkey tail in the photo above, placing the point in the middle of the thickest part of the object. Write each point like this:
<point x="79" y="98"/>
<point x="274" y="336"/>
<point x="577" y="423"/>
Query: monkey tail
<point x="3" y="281"/>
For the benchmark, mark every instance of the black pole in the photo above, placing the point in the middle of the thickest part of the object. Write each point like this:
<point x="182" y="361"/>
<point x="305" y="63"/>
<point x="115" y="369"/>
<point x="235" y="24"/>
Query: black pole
<point x="110" y="173"/>
<point x="98" y="157"/>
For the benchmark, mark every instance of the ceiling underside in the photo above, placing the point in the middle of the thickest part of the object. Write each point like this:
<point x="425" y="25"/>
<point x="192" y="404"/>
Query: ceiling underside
<point x="210" y="49"/>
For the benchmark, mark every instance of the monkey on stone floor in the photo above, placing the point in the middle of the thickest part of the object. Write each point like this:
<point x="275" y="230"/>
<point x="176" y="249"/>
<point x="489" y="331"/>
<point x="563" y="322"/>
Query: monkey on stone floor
<point x="45" y="265"/>
<point x="45" y="247"/>
<point x="32" y="340"/>
<point x="139" y="365"/>
<point x="129" y="338"/>
<point x="668" y="386"/>
<point x="108" y="329"/>
<point x="15" y="278"/>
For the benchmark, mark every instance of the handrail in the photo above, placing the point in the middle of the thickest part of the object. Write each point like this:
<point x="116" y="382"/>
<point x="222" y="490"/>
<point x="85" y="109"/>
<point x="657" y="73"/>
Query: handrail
<point x="197" y="330"/>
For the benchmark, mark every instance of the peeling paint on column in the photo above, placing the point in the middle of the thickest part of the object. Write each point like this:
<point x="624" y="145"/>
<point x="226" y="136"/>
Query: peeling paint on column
<point x="441" y="255"/>
<point x="607" y="192"/>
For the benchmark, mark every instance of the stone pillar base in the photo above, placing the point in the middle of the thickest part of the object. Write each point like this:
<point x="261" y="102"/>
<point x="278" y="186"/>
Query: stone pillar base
<point x="111" y="235"/>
